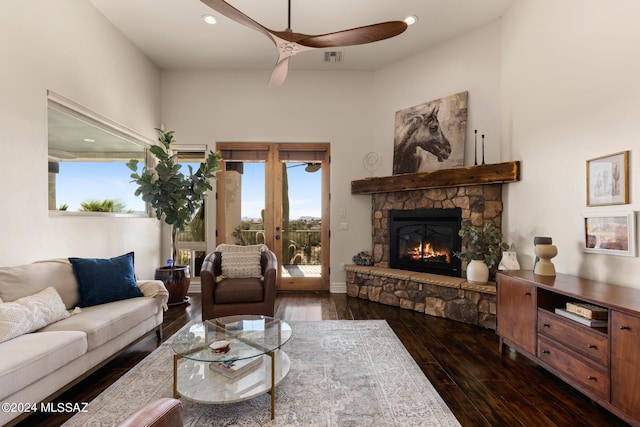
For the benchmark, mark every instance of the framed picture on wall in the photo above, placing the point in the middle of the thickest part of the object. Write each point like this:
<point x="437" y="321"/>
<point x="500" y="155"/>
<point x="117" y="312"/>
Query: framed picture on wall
<point x="608" y="180"/>
<point x="610" y="233"/>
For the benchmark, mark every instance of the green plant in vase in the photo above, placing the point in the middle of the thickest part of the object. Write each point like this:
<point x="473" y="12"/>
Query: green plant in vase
<point x="482" y="249"/>
<point x="174" y="196"/>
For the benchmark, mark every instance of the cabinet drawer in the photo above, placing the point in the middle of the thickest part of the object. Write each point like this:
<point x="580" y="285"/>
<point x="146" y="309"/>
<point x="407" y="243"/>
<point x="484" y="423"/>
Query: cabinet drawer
<point x="576" y="367"/>
<point x="575" y="336"/>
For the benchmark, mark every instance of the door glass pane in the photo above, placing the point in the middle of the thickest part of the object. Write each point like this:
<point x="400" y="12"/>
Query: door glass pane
<point x="301" y="219"/>
<point x="244" y="202"/>
<point x="192" y="240"/>
<point x="195" y="230"/>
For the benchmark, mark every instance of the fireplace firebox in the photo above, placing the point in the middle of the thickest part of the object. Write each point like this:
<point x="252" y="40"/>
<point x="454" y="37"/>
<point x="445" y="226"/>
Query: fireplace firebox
<point x="424" y="240"/>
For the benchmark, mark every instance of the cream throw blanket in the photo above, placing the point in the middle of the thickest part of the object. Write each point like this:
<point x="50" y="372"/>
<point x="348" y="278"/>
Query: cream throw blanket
<point x="155" y="289"/>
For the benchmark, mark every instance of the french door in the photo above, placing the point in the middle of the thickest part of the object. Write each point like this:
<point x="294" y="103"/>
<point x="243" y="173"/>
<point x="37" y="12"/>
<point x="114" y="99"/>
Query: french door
<point x="278" y="194"/>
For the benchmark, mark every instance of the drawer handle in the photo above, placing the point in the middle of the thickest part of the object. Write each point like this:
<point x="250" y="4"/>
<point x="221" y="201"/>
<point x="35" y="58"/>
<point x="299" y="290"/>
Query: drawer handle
<point x="546" y="352"/>
<point x="590" y="378"/>
<point x="624" y="328"/>
<point x="592" y="346"/>
<point x="528" y="294"/>
<point x="546" y="325"/>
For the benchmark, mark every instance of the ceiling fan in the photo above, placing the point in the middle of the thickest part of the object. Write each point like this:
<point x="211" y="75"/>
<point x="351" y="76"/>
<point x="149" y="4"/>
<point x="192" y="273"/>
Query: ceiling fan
<point x="290" y="43"/>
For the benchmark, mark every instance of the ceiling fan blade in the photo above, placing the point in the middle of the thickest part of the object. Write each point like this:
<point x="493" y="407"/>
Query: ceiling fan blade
<point x="287" y="48"/>
<point x="355" y="36"/>
<point x="290" y="43"/>
<point x="224" y="8"/>
<point x="279" y="73"/>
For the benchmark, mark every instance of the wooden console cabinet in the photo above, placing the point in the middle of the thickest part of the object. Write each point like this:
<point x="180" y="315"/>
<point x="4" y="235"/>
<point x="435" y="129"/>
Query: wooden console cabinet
<point x="603" y="363"/>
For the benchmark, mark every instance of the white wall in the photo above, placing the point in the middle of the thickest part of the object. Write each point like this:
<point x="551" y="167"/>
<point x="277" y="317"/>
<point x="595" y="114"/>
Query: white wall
<point x="570" y="93"/>
<point x="205" y="108"/>
<point x="470" y="63"/>
<point x="69" y="48"/>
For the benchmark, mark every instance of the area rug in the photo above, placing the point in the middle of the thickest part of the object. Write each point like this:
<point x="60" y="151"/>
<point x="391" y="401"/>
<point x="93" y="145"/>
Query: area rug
<point x="343" y="373"/>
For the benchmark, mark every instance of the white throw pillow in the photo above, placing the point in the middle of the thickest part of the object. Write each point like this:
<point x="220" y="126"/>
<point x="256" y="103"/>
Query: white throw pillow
<point x="241" y="261"/>
<point x="30" y="313"/>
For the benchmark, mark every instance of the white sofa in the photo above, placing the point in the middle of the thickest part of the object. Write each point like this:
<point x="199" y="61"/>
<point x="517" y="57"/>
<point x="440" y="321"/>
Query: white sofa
<point x="38" y="365"/>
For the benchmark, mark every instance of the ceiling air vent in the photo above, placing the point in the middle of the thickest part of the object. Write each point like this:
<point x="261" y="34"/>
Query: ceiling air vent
<point x="333" y="57"/>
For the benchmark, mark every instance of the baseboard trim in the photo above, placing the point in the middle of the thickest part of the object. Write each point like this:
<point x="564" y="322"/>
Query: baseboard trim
<point x="338" y="288"/>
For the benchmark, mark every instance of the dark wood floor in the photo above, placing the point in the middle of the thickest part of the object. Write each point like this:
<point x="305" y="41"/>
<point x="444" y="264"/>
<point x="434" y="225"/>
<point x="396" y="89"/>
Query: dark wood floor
<point x="462" y="362"/>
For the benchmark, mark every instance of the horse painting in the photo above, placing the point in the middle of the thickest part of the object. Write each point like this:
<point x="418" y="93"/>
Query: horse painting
<point x="430" y="136"/>
<point x="421" y="131"/>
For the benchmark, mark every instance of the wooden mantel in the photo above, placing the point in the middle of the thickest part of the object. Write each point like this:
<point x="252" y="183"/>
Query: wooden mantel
<point x="495" y="173"/>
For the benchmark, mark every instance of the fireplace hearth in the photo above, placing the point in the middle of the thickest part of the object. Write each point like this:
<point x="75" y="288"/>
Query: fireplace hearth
<point x="425" y="240"/>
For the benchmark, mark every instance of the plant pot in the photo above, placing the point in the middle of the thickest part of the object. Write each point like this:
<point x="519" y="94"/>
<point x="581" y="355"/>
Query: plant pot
<point x="477" y="272"/>
<point x="177" y="280"/>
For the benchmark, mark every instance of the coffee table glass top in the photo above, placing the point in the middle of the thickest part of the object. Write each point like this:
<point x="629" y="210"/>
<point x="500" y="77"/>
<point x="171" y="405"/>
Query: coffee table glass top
<point x="247" y="337"/>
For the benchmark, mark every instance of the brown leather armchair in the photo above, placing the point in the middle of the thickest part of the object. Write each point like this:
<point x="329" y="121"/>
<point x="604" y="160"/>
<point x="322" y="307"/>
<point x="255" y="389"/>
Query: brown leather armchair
<point x="235" y="296"/>
<point x="164" y="412"/>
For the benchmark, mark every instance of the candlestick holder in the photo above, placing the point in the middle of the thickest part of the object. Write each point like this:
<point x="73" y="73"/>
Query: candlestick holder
<point x="475" y="147"/>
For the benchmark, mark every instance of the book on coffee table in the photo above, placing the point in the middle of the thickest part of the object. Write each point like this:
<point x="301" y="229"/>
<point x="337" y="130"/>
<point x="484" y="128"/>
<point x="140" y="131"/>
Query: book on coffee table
<point x="235" y="368"/>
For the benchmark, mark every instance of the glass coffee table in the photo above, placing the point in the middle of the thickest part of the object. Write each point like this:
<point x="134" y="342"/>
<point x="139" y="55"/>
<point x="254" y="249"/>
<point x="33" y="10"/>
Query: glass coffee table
<point x="230" y="359"/>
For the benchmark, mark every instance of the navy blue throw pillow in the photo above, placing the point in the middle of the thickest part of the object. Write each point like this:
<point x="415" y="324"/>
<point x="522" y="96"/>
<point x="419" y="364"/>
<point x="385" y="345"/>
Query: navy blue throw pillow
<point x="105" y="280"/>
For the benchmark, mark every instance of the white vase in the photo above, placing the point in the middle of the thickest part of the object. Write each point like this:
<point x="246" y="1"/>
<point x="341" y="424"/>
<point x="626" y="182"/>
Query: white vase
<point x="477" y="272"/>
<point x="509" y="261"/>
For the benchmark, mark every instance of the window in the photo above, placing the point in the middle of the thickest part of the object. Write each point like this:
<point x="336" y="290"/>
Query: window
<point x="192" y="242"/>
<point x="87" y="156"/>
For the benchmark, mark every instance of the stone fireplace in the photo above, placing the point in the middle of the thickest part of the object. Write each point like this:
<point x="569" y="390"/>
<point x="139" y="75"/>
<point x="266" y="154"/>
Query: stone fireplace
<point x="477" y="204"/>
<point x="475" y="192"/>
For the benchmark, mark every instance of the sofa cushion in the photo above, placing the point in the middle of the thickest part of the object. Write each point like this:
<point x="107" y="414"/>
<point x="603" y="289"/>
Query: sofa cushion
<point x="31" y="357"/>
<point x="23" y="280"/>
<point x="101" y="281"/>
<point x="241" y="261"/>
<point x="29" y="313"/>
<point x="102" y="323"/>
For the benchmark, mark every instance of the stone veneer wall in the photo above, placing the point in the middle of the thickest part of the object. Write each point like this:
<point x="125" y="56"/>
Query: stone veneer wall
<point x="450" y="297"/>
<point x="432" y="294"/>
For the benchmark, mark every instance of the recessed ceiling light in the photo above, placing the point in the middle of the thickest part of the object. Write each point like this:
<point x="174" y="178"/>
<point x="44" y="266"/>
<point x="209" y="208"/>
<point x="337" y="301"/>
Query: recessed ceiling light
<point x="89" y="140"/>
<point x="410" y="20"/>
<point x="209" y="19"/>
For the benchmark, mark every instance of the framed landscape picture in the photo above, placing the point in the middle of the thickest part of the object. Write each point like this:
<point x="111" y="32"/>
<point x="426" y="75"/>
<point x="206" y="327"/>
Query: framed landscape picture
<point x="608" y="180"/>
<point x="610" y="233"/>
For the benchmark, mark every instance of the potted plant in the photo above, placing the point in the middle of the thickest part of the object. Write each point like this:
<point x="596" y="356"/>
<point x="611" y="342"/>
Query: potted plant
<point x="175" y="197"/>
<point x="482" y="249"/>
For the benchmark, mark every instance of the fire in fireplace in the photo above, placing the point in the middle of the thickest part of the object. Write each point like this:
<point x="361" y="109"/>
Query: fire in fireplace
<point x="425" y="239"/>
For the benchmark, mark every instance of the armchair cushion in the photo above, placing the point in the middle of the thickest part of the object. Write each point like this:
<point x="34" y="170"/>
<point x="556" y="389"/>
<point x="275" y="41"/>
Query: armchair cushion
<point x="242" y="290"/>
<point x="241" y="261"/>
